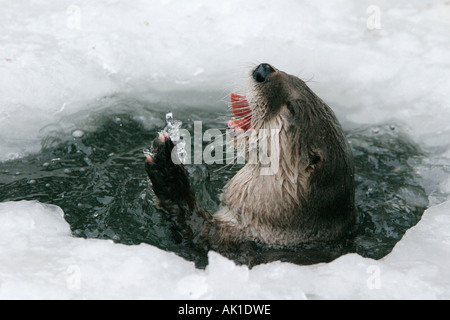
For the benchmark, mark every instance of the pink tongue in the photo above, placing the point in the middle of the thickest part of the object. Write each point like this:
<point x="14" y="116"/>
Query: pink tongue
<point x="241" y="108"/>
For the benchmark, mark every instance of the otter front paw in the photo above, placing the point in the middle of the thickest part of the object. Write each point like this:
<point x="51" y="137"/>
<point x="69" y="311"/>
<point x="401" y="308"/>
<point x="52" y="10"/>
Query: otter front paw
<point x="168" y="176"/>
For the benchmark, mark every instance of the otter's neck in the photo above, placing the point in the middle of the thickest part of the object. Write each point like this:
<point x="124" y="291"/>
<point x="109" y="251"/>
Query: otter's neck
<point x="270" y="189"/>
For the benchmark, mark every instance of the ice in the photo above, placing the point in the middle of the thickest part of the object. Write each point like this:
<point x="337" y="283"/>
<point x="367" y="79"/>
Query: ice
<point x="173" y="130"/>
<point x="72" y="54"/>
<point x="59" y="57"/>
<point x="78" y="133"/>
<point x="173" y="127"/>
<point x="40" y="259"/>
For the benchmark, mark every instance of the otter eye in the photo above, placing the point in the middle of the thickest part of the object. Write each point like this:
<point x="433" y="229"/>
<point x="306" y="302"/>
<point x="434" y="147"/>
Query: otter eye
<point x="315" y="157"/>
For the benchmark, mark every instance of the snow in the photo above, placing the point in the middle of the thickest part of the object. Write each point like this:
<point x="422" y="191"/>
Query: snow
<point x="57" y="57"/>
<point x="41" y="260"/>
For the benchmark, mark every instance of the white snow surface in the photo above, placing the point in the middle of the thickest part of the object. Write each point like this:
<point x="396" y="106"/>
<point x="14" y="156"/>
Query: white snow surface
<point x="40" y="259"/>
<point x="57" y="57"/>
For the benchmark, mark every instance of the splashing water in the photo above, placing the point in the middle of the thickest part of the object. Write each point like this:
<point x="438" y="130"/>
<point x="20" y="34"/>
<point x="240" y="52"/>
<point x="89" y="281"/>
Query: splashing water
<point x="173" y="130"/>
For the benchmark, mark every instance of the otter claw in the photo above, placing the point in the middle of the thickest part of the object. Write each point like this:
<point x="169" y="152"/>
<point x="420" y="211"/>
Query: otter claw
<point x="163" y="136"/>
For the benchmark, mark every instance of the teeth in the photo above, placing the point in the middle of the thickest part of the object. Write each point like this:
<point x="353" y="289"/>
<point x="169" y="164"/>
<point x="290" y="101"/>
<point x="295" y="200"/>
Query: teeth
<point x="233" y="118"/>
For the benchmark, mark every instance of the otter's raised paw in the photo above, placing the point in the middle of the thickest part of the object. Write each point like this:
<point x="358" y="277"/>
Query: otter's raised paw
<point x="162" y="148"/>
<point x="168" y="176"/>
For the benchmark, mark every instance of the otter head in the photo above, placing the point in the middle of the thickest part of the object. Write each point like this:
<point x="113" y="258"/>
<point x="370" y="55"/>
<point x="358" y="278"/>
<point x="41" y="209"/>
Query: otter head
<point x="269" y="91"/>
<point x="277" y="100"/>
<point x="282" y="101"/>
<point x="273" y="93"/>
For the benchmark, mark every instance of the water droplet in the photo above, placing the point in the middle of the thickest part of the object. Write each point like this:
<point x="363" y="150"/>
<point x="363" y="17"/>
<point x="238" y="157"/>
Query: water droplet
<point x="169" y="116"/>
<point x="78" y="133"/>
<point x="173" y="130"/>
<point x="147" y="152"/>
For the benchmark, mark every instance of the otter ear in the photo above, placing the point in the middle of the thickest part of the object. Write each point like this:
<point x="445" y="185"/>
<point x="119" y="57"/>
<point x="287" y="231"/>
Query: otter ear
<point x="291" y="108"/>
<point x="315" y="159"/>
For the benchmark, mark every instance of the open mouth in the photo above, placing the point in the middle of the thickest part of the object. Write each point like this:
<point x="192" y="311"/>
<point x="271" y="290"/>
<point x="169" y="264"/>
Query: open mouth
<point x="239" y="103"/>
<point x="241" y="109"/>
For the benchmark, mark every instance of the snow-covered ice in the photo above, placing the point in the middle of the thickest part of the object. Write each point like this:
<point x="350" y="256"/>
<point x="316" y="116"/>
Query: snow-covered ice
<point x="373" y="61"/>
<point x="40" y="259"/>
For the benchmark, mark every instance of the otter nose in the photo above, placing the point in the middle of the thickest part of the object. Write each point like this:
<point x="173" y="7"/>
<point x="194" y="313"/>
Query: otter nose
<point x="261" y="72"/>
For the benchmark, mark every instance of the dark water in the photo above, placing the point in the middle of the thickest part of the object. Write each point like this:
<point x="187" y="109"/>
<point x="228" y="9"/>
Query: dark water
<point x="99" y="181"/>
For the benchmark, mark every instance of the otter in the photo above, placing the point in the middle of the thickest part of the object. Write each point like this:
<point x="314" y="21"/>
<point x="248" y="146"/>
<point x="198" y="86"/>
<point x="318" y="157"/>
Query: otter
<point x="308" y="199"/>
